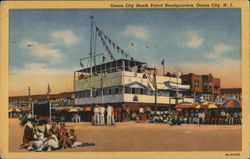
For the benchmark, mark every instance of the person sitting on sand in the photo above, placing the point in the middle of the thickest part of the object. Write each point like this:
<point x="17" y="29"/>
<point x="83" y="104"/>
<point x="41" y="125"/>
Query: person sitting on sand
<point x="70" y="140"/>
<point x="28" y="134"/>
<point x="62" y="135"/>
<point x="50" y="143"/>
<point x="38" y="140"/>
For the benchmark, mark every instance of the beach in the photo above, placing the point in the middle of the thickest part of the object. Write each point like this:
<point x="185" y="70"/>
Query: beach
<point x="132" y="136"/>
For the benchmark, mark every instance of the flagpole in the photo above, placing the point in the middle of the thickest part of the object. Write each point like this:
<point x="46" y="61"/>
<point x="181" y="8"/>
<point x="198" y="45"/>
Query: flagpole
<point x="163" y="69"/>
<point x="163" y="65"/>
<point x="91" y="59"/>
<point x="48" y="92"/>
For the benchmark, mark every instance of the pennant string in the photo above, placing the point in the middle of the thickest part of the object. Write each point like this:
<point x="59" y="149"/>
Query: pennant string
<point x="105" y="38"/>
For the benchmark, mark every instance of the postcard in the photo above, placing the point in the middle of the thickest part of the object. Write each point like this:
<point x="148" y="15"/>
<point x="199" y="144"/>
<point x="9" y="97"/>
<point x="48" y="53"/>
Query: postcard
<point x="124" y="79"/>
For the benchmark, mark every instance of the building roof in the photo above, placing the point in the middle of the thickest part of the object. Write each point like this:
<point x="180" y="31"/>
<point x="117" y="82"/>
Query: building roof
<point x="41" y="96"/>
<point x="116" y="63"/>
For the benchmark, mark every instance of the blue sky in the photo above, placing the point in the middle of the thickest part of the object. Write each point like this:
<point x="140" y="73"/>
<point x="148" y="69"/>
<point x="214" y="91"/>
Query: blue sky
<point x="54" y="40"/>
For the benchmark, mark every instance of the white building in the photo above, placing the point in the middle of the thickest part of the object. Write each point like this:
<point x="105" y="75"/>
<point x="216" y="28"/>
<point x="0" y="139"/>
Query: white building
<point x="126" y="82"/>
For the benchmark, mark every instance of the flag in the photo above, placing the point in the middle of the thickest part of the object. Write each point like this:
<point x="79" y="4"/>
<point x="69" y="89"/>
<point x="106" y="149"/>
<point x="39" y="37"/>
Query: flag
<point x="105" y="36"/>
<point x="163" y="62"/>
<point x="122" y="52"/>
<point x="103" y="59"/>
<point x="81" y="64"/>
<point x="126" y="55"/>
<point x="107" y="48"/>
<point x="113" y="45"/>
<point x="118" y="48"/>
<point x="109" y="41"/>
<point x="49" y="89"/>
<point x="100" y="33"/>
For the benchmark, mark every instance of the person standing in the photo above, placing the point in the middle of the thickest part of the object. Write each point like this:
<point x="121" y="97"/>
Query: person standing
<point x="102" y="119"/>
<point x="200" y="118"/>
<point x="96" y="115"/>
<point x="112" y="115"/>
<point x="141" y="112"/>
<point x="203" y="116"/>
<point x="123" y="112"/>
<point x="109" y="115"/>
<point x="127" y="116"/>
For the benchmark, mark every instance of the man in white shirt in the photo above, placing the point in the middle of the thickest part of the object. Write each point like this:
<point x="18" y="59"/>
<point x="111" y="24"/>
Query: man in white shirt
<point x="109" y="115"/>
<point x="96" y="115"/>
<point x="51" y="142"/>
<point x="102" y="119"/>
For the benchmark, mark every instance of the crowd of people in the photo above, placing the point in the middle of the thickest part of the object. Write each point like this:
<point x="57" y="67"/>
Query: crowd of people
<point x="110" y="115"/>
<point x="53" y="137"/>
<point x="213" y="116"/>
<point x="99" y="115"/>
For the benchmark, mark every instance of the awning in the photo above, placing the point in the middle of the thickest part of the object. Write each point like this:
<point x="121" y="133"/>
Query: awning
<point x="207" y="105"/>
<point x="185" y="105"/>
<point x="175" y="85"/>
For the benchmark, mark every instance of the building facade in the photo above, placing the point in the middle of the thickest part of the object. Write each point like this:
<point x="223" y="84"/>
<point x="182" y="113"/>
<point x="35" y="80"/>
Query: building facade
<point x="126" y="82"/>
<point x="227" y="93"/>
<point x="203" y="87"/>
<point x="61" y="99"/>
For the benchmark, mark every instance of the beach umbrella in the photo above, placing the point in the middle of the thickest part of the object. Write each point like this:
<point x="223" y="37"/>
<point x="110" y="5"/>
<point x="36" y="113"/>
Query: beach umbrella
<point x="73" y="110"/>
<point x="63" y="109"/>
<point x="231" y="103"/>
<point x="14" y="110"/>
<point x="207" y="105"/>
<point x="185" y="105"/>
<point x="87" y="109"/>
<point x="76" y="109"/>
<point x="26" y="109"/>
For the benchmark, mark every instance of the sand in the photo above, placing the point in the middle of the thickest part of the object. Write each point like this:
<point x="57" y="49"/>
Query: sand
<point x="131" y="136"/>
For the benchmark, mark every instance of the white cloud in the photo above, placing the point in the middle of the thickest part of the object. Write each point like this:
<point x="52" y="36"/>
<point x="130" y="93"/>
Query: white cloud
<point x="64" y="37"/>
<point x="43" y="69"/>
<point x="219" y="50"/>
<point x="194" y="39"/>
<point x="136" y="31"/>
<point x="37" y="76"/>
<point x="41" y="51"/>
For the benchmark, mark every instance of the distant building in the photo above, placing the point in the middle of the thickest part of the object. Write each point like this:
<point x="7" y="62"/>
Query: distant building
<point x="203" y="87"/>
<point x="64" y="98"/>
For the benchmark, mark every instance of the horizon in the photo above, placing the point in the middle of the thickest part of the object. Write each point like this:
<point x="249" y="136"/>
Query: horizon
<point x="46" y="45"/>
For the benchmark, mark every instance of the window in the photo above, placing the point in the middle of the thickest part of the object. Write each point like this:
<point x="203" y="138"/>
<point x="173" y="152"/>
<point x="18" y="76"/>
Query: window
<point x="94" y="93"/>
<point x="87" y="94"/>
<point x="142" y="91"/>
<point x="127" y="90"/>
<point x="117" y="91"/>
<point x="196" y="84"/>
<point x="78" y="95"/>
<point x="205" y="85"/>
<point x="109" y="91"/>
<point x="133" y="90"/>
<point x="82" y="94"/>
